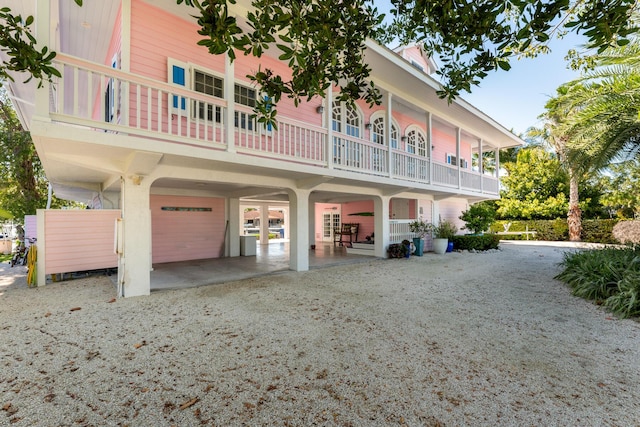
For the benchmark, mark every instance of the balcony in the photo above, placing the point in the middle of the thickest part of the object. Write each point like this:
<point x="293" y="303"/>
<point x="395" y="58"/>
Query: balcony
<point x="109" y="100"/>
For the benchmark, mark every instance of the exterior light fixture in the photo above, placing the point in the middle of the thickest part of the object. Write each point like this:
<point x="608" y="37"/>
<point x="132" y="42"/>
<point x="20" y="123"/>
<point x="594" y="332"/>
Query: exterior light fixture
<point x="367" y="126"/>
<point x="319" y="109"/>
<point x="403" y="138"/>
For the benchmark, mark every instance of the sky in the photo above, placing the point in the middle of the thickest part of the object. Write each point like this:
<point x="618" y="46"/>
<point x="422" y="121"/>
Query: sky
<point x="516" y="98"/>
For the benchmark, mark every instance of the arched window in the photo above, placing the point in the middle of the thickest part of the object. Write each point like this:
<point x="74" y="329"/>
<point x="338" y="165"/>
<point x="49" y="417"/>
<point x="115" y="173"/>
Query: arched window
<point x="377" y="132"/>
<point x="416" y="142"/>
<point x="346" y="119"/>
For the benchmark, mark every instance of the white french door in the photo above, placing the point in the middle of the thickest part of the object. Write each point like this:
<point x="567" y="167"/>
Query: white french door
<point x="330" y="222"/>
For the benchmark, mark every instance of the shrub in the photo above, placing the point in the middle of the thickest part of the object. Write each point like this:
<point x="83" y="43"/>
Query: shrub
<point x="478" y="217"/>
<point x="593" y="230"/>
<point x="445" y="230"/>
<point x="551" y="230"/>
<point x="598" y="230"/>
<point x="627" y="232"/>
<point x="479" y="243"/>
<point x="610" y="276"/>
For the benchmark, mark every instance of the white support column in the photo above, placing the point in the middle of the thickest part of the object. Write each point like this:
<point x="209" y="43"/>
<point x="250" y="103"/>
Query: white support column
<point x="312" y="223"/>
<point x="43" y="37"/>
<point x="41" y="277"/>
<point x="388" y="121"/>
<point x="328" y="117"/>
<point x="229" y="117"/>
<point x="299" y="242"/>
<point x="136" y="257"/>
<point x="429" y="145"/>
<point x="136" y="236"/>
<point x="381" y="225"/>
<point x="480" y="164"/>
<point x="264" y="224"/>
<point x="233" y="229"/>
<point x="287" y="228"/>
<point x="458" y="137"/>
<point x="497" y="154"/>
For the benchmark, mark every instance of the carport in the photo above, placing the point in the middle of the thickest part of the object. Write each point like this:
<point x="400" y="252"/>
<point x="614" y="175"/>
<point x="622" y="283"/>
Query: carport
<point x="270" y="259"/>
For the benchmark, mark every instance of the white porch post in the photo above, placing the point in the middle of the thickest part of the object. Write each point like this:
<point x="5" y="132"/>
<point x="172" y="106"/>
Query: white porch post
<point x="458" y="137"/>
<point x="233" y="232"/>
<point x="382" y="228"/>
<point x="328" y="120"/>
<point x="136" y="258"/>
<point x="312" y="223"/>
<point x="480" y="164"/>
<point x="287" y="229"/>
<point x="43" y="36"/>
<point x="41" y="277"/>
<point x="264" y="224"/>
<point x="497" y="154"/>
<point x="229" y="117"/>
<point x="299" y="242"/>
<point x="429" y="144"/>
<point x="388" y="121"/>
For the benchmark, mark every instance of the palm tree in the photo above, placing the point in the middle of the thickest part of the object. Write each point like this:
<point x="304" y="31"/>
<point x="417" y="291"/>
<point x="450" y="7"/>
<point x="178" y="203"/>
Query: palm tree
<point x="608" y="99"/>
<point x="594" y="120"/>
<point x="557" y="134"/>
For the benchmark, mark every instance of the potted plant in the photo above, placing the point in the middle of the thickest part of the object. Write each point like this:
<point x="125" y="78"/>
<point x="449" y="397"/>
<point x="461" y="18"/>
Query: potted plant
<point x="406" y="245"/>
<point x="420" y="228"/>
<point x="443" y="233"/>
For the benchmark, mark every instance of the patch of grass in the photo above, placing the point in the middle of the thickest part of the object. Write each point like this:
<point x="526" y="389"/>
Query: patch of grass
<point x="5" y="257"/>
<point x="608" y="276"/>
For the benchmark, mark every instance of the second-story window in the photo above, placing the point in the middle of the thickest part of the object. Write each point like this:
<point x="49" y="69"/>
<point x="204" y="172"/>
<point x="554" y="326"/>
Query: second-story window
<point x="209" y="85"/>
<point x="245" y="96"/>
<point x="452" y="160"/>
<point x="346" y="119"/>
<point x="377" y="132"/>
<point x="416" y="143"/>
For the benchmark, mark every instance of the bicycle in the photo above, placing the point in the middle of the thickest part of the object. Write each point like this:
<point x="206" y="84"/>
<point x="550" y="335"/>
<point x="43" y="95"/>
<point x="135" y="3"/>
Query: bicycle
<point x="20" y="255"/>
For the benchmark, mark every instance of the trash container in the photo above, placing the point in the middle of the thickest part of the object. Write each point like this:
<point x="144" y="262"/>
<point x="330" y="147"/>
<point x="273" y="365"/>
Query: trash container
<point x="282" y="233"/>
<point x="247" y="245"/>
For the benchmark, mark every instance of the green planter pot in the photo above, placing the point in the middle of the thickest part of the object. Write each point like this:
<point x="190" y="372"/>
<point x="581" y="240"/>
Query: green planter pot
<point x="419" y="244"/>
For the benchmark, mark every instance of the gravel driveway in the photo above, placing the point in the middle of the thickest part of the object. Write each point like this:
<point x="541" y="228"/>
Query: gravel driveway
<point x="459" y="339"/>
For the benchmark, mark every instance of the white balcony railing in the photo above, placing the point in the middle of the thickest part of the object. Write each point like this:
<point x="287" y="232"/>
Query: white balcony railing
<point x="358" y="155"/>
<point x="106" y="99"/>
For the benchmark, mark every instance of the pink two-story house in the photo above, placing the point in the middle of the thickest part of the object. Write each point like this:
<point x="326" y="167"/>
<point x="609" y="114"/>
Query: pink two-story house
<point x="145" y="121"/>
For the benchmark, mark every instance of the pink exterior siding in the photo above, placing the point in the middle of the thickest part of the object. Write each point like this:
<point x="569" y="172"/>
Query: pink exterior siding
<point x="115" y="49"/>
<point x="367" y="225"/>
<point x="150" y="50"/>
<point x="451" y="209"/>
<point x="186" y="235"/>
<point x="79" y="240"/>
<point x="30" y="228"/>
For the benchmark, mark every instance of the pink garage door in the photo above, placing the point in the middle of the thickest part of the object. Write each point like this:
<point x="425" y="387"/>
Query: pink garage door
<point x="186" y="228"/>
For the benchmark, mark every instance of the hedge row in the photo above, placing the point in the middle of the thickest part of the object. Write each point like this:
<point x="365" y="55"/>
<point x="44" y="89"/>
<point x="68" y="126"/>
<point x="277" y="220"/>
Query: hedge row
<point x="593" y="230"/>
<point x="479" y="243"/>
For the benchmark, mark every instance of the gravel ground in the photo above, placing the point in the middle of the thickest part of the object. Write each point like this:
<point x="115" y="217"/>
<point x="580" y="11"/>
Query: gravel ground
<point x="460" y="339"/>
